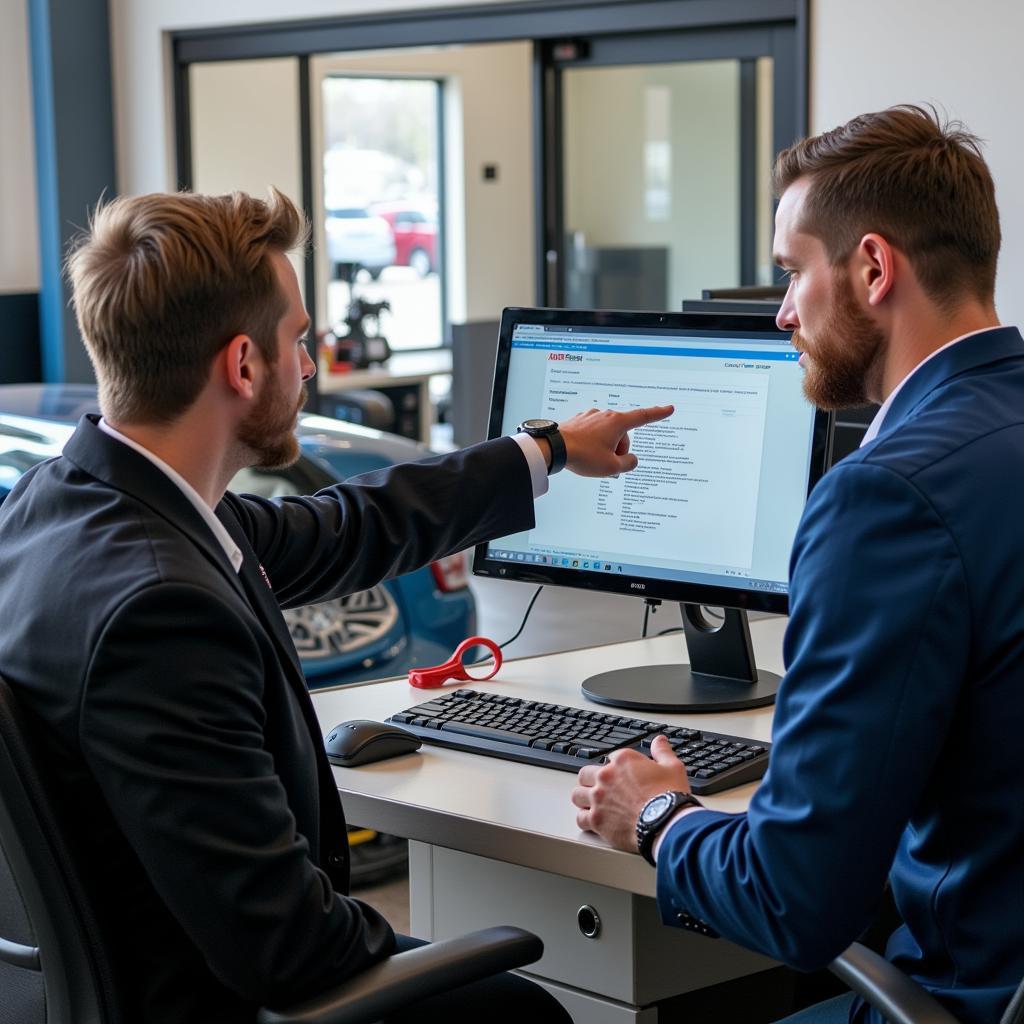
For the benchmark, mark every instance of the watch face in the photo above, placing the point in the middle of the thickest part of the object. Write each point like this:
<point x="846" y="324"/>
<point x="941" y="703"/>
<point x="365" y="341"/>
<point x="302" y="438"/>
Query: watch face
<point x="539" y="425"/>
<point x="655" y="808"/>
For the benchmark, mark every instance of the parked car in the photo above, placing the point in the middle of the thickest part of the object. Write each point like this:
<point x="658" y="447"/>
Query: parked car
<point x="415" y="230"/>
<point x="416" y="619"/>
<point x="357" y="238"/>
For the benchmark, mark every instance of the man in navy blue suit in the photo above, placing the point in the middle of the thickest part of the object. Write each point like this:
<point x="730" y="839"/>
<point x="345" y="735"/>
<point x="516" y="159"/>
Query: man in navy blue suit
<point x="897" y="727"/>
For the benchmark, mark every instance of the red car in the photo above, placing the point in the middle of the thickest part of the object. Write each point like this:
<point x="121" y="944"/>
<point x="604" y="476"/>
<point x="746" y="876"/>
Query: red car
<point x="415" y="230"/>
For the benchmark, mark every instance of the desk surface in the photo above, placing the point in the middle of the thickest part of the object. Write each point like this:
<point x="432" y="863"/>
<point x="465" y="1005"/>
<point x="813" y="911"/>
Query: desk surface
<point x="515" y="812"/>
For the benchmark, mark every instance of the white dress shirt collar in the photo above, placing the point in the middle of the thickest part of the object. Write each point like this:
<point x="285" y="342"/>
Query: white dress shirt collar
<point x="231" y="549"/>
<point x="876" y="424"/>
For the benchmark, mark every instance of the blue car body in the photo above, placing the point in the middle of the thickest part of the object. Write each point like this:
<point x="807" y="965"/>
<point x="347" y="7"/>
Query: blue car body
<point x="400" y="624"/>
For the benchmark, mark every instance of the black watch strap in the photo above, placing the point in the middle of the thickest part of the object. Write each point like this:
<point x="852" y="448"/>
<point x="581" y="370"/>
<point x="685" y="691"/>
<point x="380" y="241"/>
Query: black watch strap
<point x="558" y="452"/>
<point x="548" y="429"/>
<point x="648" y="827"/>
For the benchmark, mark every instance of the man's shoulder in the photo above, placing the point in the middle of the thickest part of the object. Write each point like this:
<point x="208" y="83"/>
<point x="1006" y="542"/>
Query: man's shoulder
<point x="975" y="417"/>
<point x="64" y="524"/>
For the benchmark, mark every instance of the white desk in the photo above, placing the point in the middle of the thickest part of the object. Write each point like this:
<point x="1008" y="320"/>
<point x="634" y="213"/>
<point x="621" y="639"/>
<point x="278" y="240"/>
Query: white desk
<point x="495" y="842"/>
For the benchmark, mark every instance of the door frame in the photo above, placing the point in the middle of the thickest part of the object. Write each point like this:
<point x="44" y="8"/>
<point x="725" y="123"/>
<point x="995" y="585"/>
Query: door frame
<point x="743" y="43"/>
<point x="602" y="22"/>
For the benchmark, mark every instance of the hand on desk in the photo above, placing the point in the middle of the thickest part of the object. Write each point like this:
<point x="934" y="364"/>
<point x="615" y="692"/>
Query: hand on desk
<point x="610" y="796"/>
<point x="597" y="441"/>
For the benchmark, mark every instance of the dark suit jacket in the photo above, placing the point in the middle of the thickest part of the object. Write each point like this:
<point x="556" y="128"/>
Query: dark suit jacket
<point x="898" y="726"/>
<point x="171" y="699"/>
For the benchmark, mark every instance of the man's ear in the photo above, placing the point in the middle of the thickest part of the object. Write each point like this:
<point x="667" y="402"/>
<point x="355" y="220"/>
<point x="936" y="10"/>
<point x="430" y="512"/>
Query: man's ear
<point x="874" y="268"/>
<point x="239" y="358"/>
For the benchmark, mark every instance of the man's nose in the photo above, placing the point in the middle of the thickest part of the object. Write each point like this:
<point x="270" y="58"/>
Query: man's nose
<point x="786" y="319"/>
<point x="306" y="364"/>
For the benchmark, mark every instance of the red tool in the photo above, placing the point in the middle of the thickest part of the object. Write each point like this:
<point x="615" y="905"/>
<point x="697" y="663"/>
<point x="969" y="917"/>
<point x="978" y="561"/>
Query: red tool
<point x="456" y="668"/>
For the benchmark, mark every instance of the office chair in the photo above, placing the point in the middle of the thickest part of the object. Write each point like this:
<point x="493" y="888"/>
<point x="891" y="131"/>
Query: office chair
<point x="899" y="999"/>
<point x="55" y="969"/>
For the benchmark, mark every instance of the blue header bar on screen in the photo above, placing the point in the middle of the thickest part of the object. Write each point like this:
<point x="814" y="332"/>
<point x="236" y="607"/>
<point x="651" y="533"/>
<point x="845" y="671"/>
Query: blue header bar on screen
<point x="662" y="350"/>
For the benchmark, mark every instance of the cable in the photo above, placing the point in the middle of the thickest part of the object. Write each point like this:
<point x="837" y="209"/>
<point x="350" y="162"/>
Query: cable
<point x="650" y="604"/>
<point x="526" y="615"/>
<point x="515" y="636"/>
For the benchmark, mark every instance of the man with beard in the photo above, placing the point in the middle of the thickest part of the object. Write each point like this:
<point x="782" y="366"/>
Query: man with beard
<point x="141" y="604"/>
<point x="896" y="731"/>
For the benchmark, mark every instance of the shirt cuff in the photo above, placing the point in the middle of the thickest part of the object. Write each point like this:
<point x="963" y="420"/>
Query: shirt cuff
<point x="535" y="460"/>
<point x="679" y="815"/>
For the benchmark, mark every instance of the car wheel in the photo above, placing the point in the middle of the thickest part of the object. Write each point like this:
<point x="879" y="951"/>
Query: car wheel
<point x="419" y="260"/>
<point x="343" y="625"/>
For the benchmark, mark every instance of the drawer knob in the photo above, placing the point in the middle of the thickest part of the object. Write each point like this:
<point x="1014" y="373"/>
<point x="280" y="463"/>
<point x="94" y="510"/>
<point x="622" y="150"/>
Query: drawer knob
<point x="589" y="921"/>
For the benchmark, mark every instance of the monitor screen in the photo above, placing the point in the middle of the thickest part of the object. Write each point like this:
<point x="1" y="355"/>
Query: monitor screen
<point x="709" y="515"/>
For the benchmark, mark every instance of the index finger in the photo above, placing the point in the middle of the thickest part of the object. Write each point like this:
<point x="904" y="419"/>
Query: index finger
<point x="653" y="413"/>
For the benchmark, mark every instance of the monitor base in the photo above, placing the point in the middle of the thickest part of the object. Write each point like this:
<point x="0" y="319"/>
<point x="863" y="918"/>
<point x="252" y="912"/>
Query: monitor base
<point x="677" y="689"/>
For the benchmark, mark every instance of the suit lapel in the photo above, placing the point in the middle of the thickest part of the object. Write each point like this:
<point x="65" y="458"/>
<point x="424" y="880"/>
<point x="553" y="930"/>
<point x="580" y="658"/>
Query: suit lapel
<point x="333" y="854"/>
<point x="257" y="587"/>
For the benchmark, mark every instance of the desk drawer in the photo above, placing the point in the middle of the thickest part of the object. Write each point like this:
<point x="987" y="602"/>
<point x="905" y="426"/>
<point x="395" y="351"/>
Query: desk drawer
<point x="633" y="958"/>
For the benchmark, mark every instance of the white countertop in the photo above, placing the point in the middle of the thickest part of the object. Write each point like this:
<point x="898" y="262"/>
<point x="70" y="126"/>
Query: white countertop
<point x="516" y="812"/>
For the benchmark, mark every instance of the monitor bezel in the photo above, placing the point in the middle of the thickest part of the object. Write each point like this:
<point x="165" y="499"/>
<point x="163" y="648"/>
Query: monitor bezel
<point x="637" y="586"/>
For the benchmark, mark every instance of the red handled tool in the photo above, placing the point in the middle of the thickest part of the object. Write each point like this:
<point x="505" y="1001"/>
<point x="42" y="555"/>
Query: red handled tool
<point x="456" y="668"/>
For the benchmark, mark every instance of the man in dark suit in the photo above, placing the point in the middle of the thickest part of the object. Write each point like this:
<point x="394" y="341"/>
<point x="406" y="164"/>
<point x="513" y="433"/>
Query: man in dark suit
<point x="897" y="728"/>
<point x="141" y="605"/>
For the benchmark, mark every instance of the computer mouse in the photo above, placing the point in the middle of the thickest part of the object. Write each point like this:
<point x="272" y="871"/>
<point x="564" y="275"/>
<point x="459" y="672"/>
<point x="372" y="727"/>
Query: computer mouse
<point x="363" y="742"/>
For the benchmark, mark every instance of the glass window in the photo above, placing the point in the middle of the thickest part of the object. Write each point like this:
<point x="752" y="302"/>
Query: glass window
<point x="381" y="189"/>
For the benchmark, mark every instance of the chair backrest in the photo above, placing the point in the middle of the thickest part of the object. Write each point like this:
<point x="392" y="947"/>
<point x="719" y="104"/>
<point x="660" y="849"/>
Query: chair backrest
<point x="53" y="965"/>
<point x="1015" y="1011"/>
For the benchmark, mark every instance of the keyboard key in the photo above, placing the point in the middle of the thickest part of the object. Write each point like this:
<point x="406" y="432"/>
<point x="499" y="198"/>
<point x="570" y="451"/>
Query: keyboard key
<point x="468" y="729"/>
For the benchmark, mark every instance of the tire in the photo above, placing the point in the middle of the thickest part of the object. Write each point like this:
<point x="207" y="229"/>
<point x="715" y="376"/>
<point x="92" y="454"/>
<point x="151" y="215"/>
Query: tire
<point x="419" y="260"/>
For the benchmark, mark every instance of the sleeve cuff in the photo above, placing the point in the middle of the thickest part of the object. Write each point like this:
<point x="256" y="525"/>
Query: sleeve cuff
<point x="680" y="814"/>
<point x="536" y="461"/>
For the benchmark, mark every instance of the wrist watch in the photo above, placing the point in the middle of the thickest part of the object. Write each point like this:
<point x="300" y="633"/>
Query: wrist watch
<point x="548" y="429"/>
<point x="653" y="817"/>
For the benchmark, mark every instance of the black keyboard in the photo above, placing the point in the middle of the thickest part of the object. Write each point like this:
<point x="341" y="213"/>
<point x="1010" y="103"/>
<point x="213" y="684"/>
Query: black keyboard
<point x="555" y="736"/>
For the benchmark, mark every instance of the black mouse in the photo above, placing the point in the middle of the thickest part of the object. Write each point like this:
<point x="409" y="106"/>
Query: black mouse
<point x="363" y="742"/>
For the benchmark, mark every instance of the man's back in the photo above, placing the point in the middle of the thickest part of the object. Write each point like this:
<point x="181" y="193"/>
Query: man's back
<point x="958" y="876"/>
<point x="139" y="656"/>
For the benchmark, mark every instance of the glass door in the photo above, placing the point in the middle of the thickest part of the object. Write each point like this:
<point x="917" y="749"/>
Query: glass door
<point x="382" y="217"/>
<point x="657" y="166"/>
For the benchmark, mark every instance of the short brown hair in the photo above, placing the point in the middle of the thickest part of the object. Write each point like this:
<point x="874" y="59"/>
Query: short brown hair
<point x="162" y="282"/>
<point x="918" y="182"/>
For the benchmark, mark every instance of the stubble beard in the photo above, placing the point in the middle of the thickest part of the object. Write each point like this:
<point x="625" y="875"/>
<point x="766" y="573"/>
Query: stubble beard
<point x="845" y="355"/>
<point x="268" y="433"/>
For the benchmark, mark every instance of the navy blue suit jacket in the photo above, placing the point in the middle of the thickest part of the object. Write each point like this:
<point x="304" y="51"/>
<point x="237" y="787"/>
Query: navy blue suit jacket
<point x="898" y="726"/>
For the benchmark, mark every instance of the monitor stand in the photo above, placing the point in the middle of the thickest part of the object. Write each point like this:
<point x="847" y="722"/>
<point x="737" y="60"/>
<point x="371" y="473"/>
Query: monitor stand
<point x="721" y="675"/>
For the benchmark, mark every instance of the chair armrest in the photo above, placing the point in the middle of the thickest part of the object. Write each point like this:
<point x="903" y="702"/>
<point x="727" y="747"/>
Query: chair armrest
<point x="408" y="977"/>
<point x="896" y="997"/>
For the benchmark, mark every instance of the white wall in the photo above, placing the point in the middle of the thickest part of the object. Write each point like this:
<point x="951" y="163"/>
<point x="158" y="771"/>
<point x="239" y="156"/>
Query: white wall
<point x="245" y="133"/>
<point x="963" y="57"/>
<point x="19" y="236"/>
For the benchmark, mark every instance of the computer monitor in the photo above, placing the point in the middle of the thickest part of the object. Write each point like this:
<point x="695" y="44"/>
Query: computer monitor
<point x="709" y="515"/>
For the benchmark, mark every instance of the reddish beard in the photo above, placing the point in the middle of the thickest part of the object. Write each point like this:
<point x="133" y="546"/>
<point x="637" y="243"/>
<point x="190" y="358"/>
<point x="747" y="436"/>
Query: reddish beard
<point x="269" y="429"/>
<point x="843" y="354"/>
